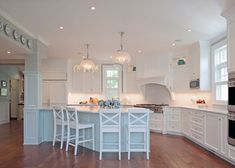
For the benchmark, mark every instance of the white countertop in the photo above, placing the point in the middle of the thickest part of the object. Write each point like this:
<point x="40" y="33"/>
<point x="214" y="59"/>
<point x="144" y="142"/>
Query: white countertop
<point x="207" y="109"/>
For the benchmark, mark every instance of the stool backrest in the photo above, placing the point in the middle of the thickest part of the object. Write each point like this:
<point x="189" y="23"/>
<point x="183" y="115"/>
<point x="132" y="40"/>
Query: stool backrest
<point x="72" y="115"/>
<point x="138" y="117"/>
<point x="58" y="113"/>
<point x="110" y="117"/>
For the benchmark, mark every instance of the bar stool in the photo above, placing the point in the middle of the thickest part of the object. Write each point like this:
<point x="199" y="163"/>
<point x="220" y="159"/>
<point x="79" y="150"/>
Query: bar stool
<point x="110" y="122"/>
<point x="138" y="122"/>
<point x="59" y="121"/>
<point x="74" y="125"/>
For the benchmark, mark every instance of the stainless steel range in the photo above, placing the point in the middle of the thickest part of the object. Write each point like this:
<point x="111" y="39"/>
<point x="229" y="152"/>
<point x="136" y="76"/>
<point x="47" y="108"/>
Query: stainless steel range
<point x="156" y="108"/>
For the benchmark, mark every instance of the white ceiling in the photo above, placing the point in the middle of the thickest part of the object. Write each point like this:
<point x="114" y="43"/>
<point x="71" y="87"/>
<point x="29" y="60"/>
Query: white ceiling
<point x="150" y="26"/>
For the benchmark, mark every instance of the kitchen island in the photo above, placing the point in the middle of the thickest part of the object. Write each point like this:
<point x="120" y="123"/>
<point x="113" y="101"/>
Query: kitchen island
<point x="87" y="114"/>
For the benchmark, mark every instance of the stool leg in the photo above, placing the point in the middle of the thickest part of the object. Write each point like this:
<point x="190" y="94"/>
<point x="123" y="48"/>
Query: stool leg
<point x="68" y="139"/>
<point x="54" y="137"/>
<point x="62" y="137"/>
<point x="76" y="142"/>
<point x="129" y="144"/>
<point x="148" y="144"/>
<point x="101" y="144"/>
<point x="119" y="146"/>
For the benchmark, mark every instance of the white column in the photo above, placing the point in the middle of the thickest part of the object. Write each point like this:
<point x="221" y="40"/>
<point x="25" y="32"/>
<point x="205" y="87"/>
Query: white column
<point x="230" y="17"/>
<point x="33" y="94"/>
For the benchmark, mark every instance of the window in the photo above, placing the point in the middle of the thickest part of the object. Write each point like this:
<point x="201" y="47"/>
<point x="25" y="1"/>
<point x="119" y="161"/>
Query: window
<point x="220" y="72"/>
<point x="112" y="81"/>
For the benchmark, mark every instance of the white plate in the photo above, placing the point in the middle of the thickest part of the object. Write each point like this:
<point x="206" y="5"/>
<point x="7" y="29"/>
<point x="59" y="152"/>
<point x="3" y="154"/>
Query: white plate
<point x="16" y="35"/>
<point x="22" y="39"/>
<point x="7" y="30"/>
<point x="29" y="44"/>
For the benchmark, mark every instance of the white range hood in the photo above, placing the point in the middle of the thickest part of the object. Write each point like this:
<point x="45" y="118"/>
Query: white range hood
<point x="160" y="80"/>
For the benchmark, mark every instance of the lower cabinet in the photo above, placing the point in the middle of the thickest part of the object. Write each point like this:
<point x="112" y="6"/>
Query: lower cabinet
<point x="172" y="120"/>
<point x="156" y="122"/>
<point x="186" y="122"/>
<point x="216" y="133"/>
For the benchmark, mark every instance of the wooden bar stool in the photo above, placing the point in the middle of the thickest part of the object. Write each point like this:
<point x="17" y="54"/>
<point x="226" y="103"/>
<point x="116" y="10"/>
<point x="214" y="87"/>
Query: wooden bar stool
<point x="110" y="122"/>
<point x="138" y="122"/>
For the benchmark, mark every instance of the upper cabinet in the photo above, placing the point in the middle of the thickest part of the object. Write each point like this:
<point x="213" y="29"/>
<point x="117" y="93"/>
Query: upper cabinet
<point x="130" y="84"/>
<point x="86" y="82"/>
<point x="190" y="65"/>
<point x="230" y="17"/>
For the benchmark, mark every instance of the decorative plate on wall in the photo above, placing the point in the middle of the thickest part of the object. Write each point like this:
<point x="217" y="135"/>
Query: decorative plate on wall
<point x="22" y="39"/>
<point x="1" y="25"/>
<point x="7" y="30"/>
<point x="16" y="35"/>
<point x="29" y="44"/>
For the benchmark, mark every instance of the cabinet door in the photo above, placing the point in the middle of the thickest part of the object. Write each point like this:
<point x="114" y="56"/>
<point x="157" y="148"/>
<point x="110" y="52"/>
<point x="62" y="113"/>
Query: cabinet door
<point x="185" y="116"/>
<point x="212" y="131"/>
<point x="45" y="95"/>
<point x="223" y="135"/>
<point x="57" y="92"/>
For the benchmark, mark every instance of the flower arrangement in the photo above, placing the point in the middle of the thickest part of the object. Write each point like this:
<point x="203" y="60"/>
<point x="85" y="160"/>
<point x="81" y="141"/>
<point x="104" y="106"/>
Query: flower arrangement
<point x="109" y="103"/>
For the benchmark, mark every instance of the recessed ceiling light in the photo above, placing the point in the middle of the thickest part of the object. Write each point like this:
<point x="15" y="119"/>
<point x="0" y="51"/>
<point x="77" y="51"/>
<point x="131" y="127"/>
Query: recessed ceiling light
<point x="8" y="52"/>
<point x="173" y="44"/>
<point x="61" y="27"/>
<point x="92" y="8"/>
<point x="189" y="30"/>
<point x="111" y="56"/>
<point x="139" y="51"/>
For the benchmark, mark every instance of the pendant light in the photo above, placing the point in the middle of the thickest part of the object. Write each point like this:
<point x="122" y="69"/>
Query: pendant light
<point x="121" y="56"/>
<point x="87" y="64"/>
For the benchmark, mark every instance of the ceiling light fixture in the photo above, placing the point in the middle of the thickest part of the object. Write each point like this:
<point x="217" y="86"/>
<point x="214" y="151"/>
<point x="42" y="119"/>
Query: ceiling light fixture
<point x="173" y="44"/>
<point x="87" y="64"/>
<point x="121" y="56"/>
<point x="92" y="8"/>
<point x="61" y="27"/>
<point x="139" y="51"/>
<point x="189" y="30"/>
<point x="8" y="52"/>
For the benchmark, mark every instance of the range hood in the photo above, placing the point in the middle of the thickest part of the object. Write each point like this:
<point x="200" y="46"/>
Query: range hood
<point x="160" y="80"/>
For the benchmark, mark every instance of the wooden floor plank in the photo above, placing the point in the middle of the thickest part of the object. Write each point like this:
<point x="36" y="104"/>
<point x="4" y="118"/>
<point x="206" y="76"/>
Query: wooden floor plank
<point x="166" y="152"/>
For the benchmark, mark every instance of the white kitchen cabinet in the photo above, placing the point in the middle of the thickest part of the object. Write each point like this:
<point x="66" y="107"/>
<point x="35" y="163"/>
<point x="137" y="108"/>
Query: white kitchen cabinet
<point x="156" y="122"/>
<point x="130" y="82"/>
<point x="86" y="82"/>
<point x="172" y="120"/>
<point x="186" y="122"/>
<point x="231" y="153"/>
<point x="212" y="131"/>
<point x="54" y="92"/>
<point x="197" y="126"/>
<point x="216" y="132"/>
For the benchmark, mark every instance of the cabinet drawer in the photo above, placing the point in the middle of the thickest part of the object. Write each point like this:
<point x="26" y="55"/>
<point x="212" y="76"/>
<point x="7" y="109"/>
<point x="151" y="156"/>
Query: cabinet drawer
<point x="173" y="126"/>
<point x="197" y="114"/>
<point x="156" y="125"/>
<point x="155" y="116"/>
<point x="198" y="129"/>
<point x="173" y="117"/>
<point x="197" y="120"/>
<point x="197" y="137"/>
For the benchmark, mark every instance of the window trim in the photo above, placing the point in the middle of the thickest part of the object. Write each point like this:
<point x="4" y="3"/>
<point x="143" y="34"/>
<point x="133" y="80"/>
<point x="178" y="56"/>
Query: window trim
<point x="213" y="82"/>
<point x="120" y="78"/>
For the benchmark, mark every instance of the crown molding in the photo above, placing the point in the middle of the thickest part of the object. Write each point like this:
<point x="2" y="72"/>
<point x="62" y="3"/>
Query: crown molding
<point x="229" y="14"/>
<point x="21" y="27"/>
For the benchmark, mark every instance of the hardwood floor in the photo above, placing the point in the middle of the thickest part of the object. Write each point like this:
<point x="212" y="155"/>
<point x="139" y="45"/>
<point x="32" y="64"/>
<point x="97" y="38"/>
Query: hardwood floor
<point x="166" y="152"/>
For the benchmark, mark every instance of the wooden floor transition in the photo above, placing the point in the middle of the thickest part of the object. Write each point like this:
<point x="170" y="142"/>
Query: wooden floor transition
<point x="166" y="152"/>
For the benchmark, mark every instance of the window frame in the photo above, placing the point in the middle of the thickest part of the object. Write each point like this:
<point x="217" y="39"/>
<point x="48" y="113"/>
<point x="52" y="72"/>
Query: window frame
<point x="225" y="64"/>
<point x="105" y="67"/>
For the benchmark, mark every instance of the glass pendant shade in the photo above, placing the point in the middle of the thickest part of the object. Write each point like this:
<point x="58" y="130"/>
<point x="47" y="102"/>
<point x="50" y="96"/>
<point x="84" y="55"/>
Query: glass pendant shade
<point x="121" y="56"/>
<point x="86" y="65"/>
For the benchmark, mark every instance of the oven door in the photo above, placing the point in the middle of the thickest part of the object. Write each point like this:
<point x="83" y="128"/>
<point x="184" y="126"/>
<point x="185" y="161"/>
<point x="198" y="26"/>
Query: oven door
<point x="231" y="96"/>
<point x="231" y="129"/>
